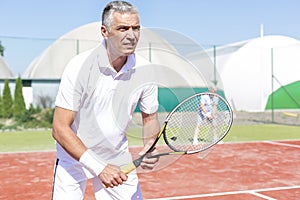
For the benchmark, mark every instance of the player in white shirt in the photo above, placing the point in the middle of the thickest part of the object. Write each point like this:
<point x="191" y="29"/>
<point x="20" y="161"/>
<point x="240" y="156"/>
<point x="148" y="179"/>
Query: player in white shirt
<point x="91" y="120"/>
<point x="207" y="110"/>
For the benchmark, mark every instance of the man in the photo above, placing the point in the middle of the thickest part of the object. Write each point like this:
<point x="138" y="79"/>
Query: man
<point x="207" y="109"/>
<point x="88" y="126"/>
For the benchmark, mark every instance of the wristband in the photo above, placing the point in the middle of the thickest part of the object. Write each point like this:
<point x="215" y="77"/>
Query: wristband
<point x="92" y="163"/>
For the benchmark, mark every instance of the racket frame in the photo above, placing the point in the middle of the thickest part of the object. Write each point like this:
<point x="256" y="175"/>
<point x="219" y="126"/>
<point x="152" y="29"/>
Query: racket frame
<point x="137" y="162"/>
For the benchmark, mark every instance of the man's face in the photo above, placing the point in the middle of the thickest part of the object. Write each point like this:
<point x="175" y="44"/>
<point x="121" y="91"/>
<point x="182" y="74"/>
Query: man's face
<point x="123" y="37"/>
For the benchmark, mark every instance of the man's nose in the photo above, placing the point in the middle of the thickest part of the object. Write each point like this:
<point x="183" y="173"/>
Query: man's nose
<point x="130" y="33"/>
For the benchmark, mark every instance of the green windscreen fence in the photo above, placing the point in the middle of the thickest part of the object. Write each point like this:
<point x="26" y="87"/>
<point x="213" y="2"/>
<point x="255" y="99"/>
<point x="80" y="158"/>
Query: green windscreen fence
<point x="169" y="97"/>
<point x="286" y="97"/>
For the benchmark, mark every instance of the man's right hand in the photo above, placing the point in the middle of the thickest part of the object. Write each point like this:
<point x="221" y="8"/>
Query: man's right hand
<point x="112" y="176"/>
<point x="208" y="115"/>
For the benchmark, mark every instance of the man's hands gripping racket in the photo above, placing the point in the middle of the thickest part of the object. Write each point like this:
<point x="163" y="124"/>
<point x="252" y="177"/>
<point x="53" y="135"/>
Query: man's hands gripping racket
<point x="181" y="128"/>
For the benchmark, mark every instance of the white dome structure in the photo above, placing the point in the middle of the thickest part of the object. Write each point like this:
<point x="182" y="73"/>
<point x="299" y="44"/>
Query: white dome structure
<point x="50" y="64"/>
<point x="4" y="69"/>
<point x="253" y="70"/>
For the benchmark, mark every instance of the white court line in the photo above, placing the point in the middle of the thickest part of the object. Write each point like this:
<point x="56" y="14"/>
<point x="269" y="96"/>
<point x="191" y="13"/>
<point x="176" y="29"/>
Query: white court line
<point x="30" y="151"/>
<point x="262" y="196"/>
<point x="254" y="192"/>
<point x="282" y="144"/>
<point x="139" y="146"/>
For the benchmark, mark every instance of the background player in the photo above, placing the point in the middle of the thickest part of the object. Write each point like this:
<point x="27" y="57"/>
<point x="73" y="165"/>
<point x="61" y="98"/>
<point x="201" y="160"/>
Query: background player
<point x="207" y="110"/>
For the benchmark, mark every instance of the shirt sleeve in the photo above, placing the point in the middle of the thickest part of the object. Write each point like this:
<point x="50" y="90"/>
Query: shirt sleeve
<point x="70" y="88"/>
<point x="149" y="99"/>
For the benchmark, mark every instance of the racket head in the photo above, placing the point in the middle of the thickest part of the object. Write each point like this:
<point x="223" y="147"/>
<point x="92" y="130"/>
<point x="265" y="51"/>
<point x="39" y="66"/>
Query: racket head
<point x="191" y="130"/>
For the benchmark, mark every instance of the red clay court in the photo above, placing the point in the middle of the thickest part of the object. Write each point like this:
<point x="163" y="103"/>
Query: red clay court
<point x="232" y="171"/>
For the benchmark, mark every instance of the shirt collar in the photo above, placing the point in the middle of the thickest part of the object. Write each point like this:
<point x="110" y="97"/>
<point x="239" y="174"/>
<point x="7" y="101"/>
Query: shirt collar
<point x="130" y="63"/>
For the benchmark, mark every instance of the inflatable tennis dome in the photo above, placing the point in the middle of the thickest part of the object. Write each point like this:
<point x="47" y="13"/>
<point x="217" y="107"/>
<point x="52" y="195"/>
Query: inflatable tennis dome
<point x="176" y="76"/>
<point x="4" y="69"/>
<point x="261" y="73"/>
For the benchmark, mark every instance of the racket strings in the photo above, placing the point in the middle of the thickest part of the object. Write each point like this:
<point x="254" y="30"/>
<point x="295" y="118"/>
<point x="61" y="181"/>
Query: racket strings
<point x="190" y="130"/>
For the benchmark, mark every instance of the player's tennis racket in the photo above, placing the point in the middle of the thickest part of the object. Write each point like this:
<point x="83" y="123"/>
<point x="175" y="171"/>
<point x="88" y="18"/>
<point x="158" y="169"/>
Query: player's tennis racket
<point x="187" y="130"/>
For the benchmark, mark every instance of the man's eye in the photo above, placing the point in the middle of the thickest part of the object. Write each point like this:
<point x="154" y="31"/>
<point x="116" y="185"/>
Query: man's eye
<point x="125" y="28"/>
<point x="136" y="29"/>
<point x="122" y="29"/>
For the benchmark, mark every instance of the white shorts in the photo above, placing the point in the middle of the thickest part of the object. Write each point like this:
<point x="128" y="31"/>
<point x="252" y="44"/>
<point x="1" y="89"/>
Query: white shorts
<point x="65" y="187"/>
<point x="201" y="118"/>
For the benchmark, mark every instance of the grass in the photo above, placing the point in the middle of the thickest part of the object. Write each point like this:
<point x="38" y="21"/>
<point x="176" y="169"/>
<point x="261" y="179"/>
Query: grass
<point x="42" y="140"/>
<point x="263" y="132"/>
<point x="26" y="141"/>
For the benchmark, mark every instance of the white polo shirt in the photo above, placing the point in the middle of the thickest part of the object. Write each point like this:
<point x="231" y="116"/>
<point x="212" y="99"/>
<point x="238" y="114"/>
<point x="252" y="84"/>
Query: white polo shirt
<point x="105" y="101"/>
<point x="208" y="102"/>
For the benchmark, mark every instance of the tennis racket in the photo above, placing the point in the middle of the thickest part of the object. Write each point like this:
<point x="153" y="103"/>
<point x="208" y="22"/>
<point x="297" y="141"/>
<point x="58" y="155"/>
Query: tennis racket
<point x="190" y="129"/>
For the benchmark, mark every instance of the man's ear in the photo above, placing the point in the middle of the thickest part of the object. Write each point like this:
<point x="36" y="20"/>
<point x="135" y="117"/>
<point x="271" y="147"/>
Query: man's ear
<point x="104" y="31"/>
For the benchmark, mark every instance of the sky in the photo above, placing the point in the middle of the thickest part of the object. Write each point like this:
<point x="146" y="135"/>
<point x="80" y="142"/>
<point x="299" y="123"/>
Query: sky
<point x="28" y="27"/>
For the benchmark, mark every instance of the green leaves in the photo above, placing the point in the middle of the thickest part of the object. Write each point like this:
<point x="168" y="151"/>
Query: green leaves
<point x="7" y="102"/>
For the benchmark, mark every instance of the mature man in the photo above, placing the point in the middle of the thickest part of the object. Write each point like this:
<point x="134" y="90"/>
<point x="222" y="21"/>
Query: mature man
<point x="89" y="129"/>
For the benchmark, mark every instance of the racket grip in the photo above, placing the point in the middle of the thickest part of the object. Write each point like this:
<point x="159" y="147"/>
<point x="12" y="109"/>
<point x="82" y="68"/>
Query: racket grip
<point x="128" y="168"/>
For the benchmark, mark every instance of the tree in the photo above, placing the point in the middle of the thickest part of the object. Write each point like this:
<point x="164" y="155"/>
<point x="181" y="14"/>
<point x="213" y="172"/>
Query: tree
<point x="1" y="49"/>
<point x="7" y="102"/>
<point x="45" y="101"/>
<point x="0" y="106"/>
<point x="19" y="107"/>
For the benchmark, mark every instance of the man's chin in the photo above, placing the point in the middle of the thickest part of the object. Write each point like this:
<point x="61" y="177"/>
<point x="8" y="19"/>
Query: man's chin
<point x="129" y="51"/>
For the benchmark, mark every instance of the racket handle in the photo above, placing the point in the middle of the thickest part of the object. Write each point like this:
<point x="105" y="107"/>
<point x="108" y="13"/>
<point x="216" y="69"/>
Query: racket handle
<point x="128" y="168"/>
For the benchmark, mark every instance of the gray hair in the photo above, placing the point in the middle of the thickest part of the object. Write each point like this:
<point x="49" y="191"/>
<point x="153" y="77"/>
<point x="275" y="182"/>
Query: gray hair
<point x="116" y="6"/>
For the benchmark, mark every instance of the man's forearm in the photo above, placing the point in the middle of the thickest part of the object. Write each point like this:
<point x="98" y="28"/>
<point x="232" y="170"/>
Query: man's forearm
<point x="151" y="128"/>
